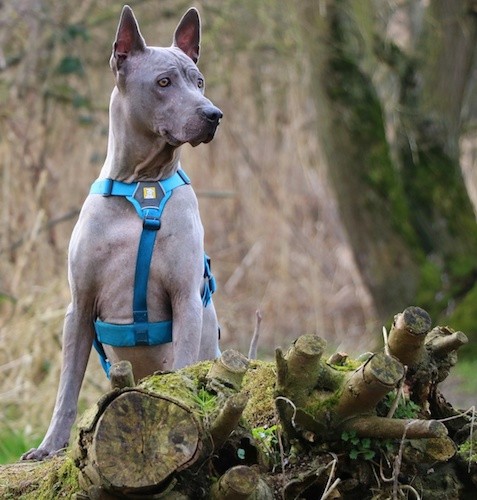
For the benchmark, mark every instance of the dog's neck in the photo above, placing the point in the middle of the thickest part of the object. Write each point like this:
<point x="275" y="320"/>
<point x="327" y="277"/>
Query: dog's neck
<point x="134" y="153"/>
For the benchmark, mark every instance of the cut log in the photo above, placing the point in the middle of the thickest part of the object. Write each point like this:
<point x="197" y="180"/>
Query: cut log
<point x="241" y="483"/>
<point x="228" y="371"/>
<point x="368" y="385"/>
<point x="439" y="449"/>
<point x="139" y="440"/>
<point x="228" y="419"/>
<point x="298" y="373"/>
<point x="303" y="358"/>
<point x="408" y="334"/>
<point x="121" y="375"/>
<point x="443" y="340"/>
<point x="393" y="428"/>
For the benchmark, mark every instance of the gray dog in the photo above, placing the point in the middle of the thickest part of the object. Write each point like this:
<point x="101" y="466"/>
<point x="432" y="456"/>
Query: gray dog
<point x="140" y="281"/>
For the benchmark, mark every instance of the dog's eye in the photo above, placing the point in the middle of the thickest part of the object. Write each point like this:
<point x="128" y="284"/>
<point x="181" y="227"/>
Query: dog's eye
<point x="164" y="82"/>
<point x="200" y="83"/>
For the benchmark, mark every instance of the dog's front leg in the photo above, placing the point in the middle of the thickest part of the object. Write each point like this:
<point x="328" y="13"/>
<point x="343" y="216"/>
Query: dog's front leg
<point x="78" y="337"/>
<point x="186" y="329"/>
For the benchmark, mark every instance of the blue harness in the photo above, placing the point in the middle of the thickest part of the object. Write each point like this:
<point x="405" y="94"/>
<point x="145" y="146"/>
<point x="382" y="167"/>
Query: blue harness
<point x="149" y="200"/>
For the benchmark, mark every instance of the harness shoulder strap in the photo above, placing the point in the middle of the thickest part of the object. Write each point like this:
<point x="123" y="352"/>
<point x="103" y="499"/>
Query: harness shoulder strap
<point x="143" y="194"/>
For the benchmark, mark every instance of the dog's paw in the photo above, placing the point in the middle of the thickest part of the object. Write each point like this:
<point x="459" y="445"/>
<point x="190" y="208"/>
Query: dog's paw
<point x="35" y="454"/>
<point x="40" y="454"/>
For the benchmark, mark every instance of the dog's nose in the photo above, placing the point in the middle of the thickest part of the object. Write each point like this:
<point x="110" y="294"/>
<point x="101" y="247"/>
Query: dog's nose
<point x="212" y="113"/>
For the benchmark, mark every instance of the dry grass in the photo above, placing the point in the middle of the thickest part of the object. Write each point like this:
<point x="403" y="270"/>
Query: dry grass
<point x="276" y="242"/>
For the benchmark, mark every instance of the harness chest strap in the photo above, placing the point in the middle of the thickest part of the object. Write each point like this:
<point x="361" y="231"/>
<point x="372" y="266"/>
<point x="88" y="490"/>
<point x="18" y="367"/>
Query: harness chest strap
<point x="149" y="200"/>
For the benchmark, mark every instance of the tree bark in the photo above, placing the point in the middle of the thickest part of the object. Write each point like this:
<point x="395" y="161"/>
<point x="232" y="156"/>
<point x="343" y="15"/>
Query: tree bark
<point x="390" y="111"/>
<point x="228" y="418"/>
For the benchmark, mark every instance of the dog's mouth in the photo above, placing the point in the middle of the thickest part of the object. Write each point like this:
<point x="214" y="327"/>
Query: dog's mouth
<point x="170" y="139"/>
<point x="202" y="138"/>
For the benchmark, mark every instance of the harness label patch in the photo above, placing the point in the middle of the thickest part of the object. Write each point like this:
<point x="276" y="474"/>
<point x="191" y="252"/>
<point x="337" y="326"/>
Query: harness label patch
<point x="149" y="193"/>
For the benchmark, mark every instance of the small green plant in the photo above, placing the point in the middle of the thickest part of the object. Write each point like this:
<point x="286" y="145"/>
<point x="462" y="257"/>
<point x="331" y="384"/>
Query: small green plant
<point x="468" y="451"/>
<point x="359" y="446"/>
<point x="268" y="437"/>
<point x="406" y="409"/>
<point x="365" y="448"/>
<point x="206" y="402"/>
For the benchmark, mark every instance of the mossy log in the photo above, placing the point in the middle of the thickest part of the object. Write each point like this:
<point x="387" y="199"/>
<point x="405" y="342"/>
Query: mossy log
<point x="137" y="442"/>
<point x="301" y="427"/>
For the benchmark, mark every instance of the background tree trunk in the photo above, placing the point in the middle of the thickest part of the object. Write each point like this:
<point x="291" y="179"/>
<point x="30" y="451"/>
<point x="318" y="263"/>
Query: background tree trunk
<point x="390" y="84"/>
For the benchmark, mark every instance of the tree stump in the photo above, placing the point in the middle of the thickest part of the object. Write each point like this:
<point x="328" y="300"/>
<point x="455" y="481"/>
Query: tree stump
<point x="301" y="427"/>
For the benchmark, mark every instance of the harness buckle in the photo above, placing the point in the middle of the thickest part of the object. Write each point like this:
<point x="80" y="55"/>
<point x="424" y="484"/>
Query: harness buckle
<point x="151" y="222"/>
<point x="141" y="329"/>
<point x="141" y="334"/>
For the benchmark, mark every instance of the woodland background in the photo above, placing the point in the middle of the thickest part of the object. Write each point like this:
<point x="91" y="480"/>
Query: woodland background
<point x="341" y="186"/>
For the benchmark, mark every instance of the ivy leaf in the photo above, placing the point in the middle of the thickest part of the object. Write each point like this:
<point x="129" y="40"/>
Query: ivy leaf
<point x="369" y="454"/>
<point x="366" y="442"/>
<point x="345" y="436"/>
<point x="355" y="440"/>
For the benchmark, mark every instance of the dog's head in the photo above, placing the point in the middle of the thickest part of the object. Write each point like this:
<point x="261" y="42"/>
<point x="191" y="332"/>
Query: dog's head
<point x="161" y="89"/>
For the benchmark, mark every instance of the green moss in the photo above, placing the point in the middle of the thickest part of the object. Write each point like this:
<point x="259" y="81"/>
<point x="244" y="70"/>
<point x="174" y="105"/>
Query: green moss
<point x="322" y="402"/>
<point x="352" y="90"/>
<point x="48" y="480"/>
<point x="259" y="383"/>
<point x="62" y="483"/>
<point x="183" y="385"/>
<point x="444" y="221"/>
<point x="349" y="365"/>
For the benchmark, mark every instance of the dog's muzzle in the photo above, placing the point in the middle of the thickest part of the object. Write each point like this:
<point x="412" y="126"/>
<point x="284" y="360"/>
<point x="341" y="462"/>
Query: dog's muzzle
<point x="200" y="128"/>
<point x="212" y="114"/>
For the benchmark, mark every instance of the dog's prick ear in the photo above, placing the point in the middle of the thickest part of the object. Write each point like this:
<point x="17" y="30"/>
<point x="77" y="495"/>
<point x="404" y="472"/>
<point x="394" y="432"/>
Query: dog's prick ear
<point x="128" y="37"/>
<point x="187" y="34"/>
